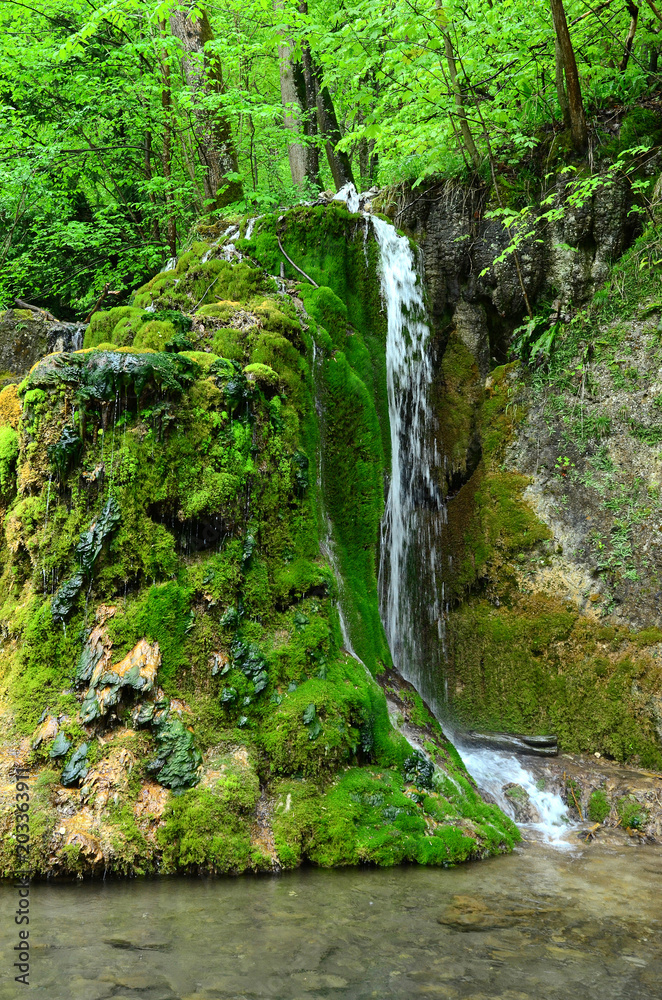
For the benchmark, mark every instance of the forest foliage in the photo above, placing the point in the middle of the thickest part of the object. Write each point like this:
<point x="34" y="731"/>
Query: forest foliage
<point x="109" y="112"/>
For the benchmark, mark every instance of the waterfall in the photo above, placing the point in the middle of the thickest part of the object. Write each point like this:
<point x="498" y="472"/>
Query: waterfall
<point x="408" y="572"/>
<point x="410" y="586"/>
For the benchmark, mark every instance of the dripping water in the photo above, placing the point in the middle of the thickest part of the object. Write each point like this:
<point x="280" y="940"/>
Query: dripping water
<point x="112" y="441"/>
<point x="250" y="226"/>
<point x="326" y="545"/>
<point x="48" y="503"/>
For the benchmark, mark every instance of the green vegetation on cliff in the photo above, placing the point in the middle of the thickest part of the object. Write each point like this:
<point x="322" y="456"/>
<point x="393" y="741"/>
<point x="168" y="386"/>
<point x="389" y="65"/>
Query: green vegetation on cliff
<point x="552" y="530"/>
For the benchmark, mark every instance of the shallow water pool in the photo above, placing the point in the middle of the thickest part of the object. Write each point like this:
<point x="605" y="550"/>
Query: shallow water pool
<point x="536" y="924"/>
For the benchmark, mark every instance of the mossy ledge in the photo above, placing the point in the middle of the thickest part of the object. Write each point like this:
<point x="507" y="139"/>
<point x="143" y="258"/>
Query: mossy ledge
<point x="172" y="669"/>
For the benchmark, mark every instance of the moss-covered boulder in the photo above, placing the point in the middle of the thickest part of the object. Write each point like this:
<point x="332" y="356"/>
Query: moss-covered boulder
<point x="172" y="667"/>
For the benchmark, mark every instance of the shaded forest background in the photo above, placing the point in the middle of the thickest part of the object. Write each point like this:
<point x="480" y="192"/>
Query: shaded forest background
<point x="124" y="122"/>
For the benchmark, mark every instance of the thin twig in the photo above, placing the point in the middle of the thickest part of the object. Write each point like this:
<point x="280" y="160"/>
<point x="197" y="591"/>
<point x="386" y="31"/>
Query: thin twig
<point x="306" y="276"/>
<point x="98" y="302"/>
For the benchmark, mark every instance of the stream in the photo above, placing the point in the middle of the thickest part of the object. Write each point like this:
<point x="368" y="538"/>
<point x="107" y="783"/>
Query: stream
<point x="536" y="924"/>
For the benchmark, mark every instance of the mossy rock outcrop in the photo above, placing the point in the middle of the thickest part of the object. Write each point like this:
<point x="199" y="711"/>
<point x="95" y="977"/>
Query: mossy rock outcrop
<point x="551" y="558"/>
<point x="172" y="669"/>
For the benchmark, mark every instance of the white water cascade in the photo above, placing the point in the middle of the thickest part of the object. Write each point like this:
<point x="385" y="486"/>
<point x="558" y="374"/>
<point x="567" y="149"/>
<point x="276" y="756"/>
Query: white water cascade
<point x="410" y="585"/>
<point x="493" y="771"/>
<point x="414" y="506"/>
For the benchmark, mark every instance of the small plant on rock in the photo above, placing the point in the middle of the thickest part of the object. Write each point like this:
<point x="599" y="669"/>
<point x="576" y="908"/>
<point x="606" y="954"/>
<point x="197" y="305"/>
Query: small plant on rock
<point x="599" y="806"/>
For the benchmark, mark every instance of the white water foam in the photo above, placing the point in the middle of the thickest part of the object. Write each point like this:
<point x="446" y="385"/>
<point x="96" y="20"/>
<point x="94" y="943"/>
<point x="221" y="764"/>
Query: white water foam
<point x="493" y="771"/>
<point x="250" y="226"/>
<point x="349" y="195"/>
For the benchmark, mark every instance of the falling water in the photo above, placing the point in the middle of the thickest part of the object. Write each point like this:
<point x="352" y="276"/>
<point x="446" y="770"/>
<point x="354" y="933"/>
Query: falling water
<point x="494" y="772"/>
<point x="408" y="571"/>
<point x="48" y="503"/>
<point x="411" y="591"/>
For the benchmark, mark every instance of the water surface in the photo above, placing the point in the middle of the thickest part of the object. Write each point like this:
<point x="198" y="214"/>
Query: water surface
<point x="536" y="924"/>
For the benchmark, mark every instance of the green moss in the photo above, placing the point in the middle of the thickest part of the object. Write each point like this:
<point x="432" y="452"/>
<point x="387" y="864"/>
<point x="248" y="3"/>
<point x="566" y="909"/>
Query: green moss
<point x="648" y="637"/>
<point x="455" y="397"/>
<point x="130" y="851"/>
<point x="532" y="668"/>
<point x="117" y="326"/>
<point x="219" y="310"/>
<point x="155" y="334"/>
<point x="42" y="668"/>
<point x="8" y="456"/>
<point x="195" y="283"/>
<point x="209" y="462"/>
<point x="490" y="523"/>
<point x="599" y="806"/>
<point x="262" y="374"/>
<point x="209" y="829"/>
<point x="43" y="817"/>
<point x="640" y="126"/>
<point x="203" y="358"/>
<point x="372" y="816"/>
<point x="217" y="494"/>
<point x="326" y="722"/>
<point x="162" y="615"/>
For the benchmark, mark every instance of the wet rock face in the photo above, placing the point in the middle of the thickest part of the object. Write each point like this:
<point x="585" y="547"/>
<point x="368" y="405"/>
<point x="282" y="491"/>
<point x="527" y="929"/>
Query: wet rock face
<point x="607" y="798"/>
<point x="525" y="811"/>
<point x="568" y="259"/>
<point x="595" y="475"/>
<point x="25" y="337"/>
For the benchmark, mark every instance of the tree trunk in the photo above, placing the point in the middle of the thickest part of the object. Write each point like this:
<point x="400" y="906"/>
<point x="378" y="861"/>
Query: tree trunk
<point x="366" y="151"/>
<point x="212" y="130"/>
<point x="308" y="98"/>
<point x="467" y="136"/>
<point x="297" y="91"/>
<point x="461" y="114"/>
<point x="560" y="84"/>
<point x="634" y="17"/>
<point x="339" y="164"/>
<point x="296" y="151"/>
<point x="578" y="128"/>
<point x="166" y="155"/>
<point x="147" y="146"/>
<point x="301" y="84"/>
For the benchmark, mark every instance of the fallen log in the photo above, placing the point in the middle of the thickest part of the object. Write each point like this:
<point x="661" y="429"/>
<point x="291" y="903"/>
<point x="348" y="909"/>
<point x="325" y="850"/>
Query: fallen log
<point x="534" y="746"/>
<point x="44" y="313"/>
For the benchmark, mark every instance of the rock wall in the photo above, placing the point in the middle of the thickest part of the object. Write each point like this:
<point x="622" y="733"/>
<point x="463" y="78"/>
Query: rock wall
<point x="25" y="337"/>
<point x="551" y="568"/>
<point x="564" y="260"/>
